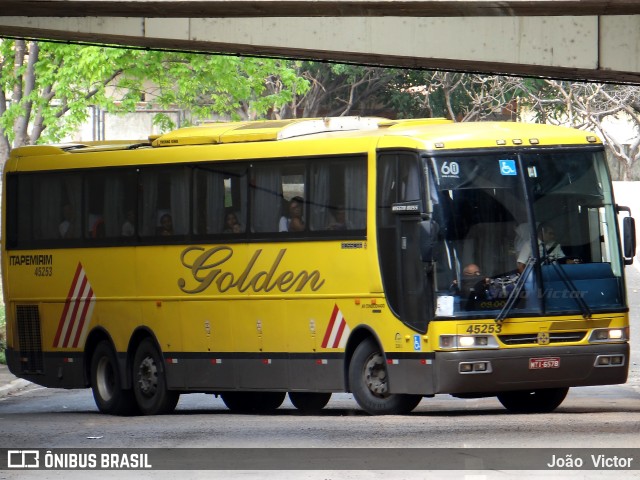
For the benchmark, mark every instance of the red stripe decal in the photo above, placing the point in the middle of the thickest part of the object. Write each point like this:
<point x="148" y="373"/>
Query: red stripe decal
<point x="336" y="342"/>
<point x="327" y="334"/>
<point x="67" y="304"/>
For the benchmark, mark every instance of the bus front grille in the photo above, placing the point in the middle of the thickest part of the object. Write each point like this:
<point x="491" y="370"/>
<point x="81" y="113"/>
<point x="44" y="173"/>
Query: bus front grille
<point x="29" y="339"/>
<point x="532" y="338"/>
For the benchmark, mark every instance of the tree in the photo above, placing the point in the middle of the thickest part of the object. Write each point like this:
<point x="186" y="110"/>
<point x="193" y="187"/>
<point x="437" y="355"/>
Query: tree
<point x="593" y="106"/>
<point x="339" y="90"/>
<point x="46" y="88"/>
<point x="588" y="106"/>
<point x="209" y="86"/>
<point x="459" y="97"/>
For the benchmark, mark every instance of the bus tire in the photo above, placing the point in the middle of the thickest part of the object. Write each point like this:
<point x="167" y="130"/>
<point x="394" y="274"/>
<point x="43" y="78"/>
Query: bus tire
<point x="309" y="402"/>
<point x="253" y="402"/>
<point x="369" y="383"/>
<point x="106" y="383"/>
<point x="544" y="400"/>
<point x="149" y="382"/>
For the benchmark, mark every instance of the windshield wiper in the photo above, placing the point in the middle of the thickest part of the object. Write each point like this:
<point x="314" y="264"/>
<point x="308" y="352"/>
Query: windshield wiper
<point x="515" y="293"/>
<point x="575" y="294"/>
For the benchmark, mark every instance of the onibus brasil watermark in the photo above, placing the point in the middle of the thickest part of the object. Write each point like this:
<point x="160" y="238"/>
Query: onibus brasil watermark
<point x="550" y="459"/>
<point x="77" y="460"/>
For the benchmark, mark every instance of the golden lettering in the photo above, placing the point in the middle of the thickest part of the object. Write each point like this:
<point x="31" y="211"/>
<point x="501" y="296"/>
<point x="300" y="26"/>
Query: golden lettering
<point x="207" y="270"/>
<point x="225" y="276"/>
<point x="284" y="280"/>
<point x="200" y="266"/>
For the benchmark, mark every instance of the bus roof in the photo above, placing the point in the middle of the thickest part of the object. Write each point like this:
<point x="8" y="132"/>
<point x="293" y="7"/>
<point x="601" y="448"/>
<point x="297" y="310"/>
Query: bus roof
<point x="469" y="135"/>
<point x="431" y="134"/>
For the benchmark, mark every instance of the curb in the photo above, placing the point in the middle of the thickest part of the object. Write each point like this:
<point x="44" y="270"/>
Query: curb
<point x="13" y="386"/>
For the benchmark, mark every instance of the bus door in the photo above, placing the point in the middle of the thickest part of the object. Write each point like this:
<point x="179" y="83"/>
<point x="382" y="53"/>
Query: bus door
<point x="402" y="231"/>
<point x="415" y="272"/>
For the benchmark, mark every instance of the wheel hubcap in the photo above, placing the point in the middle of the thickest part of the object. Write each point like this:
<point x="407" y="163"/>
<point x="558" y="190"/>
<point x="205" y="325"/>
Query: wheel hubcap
<point x="375" y="374"/>
<point x="105" y="379"/>
<point x="148" y="377"/>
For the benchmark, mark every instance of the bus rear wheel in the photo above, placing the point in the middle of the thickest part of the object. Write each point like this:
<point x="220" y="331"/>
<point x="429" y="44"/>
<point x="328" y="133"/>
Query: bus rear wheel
<point x="369" y="383"/>
<point x="149" y="382"/>
<point x="106" y="383"/>
<point x="309" y="402"/>
<point x="253" y="402"/>
<point x="544" y="400"/>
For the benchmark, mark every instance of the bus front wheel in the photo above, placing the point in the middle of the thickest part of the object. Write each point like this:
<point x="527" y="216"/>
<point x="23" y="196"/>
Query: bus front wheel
<point x="544" y="400"/>
<point x="309" y="402"/>
<point x="149" y="382"/>
<point x="106" y="383"/>
<point x="369" y="383"/>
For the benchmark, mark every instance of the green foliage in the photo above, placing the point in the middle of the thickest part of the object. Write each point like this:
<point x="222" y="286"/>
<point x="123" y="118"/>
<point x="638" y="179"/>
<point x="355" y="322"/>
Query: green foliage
<point x="210" y="85"/>
<point x="68" y="79"/>
<point x="47" y="91"/>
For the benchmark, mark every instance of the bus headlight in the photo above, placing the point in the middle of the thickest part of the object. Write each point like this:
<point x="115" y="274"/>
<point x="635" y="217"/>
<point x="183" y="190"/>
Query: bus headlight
<point x="613" y="335"/>
<point x="452" y="342"/>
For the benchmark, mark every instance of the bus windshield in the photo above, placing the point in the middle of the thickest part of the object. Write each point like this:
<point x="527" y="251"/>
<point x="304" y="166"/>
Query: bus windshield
<point x="550" y="211"/>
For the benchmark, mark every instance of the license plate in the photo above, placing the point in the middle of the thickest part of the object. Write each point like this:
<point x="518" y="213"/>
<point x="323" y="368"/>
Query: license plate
<point x="547" y="362"/>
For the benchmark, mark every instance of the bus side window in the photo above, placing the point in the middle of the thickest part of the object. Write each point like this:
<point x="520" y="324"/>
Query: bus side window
<point x="266" y="197"/>
<point x="94" y="200"/>
<point x="164" y="201"/>
<point x="108" y="198"/>
<point x="68" y="197"/>
<point x="219" y="192"/>
<point x="338" y="194"/>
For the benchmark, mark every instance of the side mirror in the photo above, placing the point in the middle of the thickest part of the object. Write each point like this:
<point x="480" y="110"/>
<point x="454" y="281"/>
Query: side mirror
<point x="629" y="239"/>
<point x="628" y="235"/>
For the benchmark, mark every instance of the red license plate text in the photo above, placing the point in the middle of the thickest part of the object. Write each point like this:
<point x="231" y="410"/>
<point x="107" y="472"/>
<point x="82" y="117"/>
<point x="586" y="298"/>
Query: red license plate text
<point x="547" y="362"/>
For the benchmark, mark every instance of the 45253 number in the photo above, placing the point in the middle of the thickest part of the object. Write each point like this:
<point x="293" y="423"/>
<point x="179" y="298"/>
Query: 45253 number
<point x="43" y="271"/>
<point x="484" y="328"/>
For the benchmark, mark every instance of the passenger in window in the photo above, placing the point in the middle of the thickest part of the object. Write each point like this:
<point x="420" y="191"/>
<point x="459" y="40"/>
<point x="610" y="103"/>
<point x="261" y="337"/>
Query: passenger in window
<point x="166" y="225"/>
<point x="339" y="219"/>
<point x="294" y="221"/>
<point x="475" y="287"/>
<point x="97" y="228"/>
<point x="231" y="224"/>
<point x="129" y="225"/>
<point x="549" y="248"/>
<point x="67" y="226"/>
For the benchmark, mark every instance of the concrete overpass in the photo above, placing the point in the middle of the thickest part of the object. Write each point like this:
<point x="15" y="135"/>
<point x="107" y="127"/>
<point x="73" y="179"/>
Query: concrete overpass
<point x="573" y="39"/>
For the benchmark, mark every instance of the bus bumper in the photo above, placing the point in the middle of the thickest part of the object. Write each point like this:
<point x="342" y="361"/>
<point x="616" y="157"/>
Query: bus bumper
<point x="486" y="371"/>
<point x="55" y="370"/>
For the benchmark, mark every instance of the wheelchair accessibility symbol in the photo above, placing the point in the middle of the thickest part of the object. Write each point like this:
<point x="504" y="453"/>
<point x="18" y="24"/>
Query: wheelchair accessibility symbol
<point x="508" y="167"/>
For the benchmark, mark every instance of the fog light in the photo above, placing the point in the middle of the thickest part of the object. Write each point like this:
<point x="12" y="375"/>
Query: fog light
<point x="610" y="361"/>
<point x="480" y="367"/>
<point x="466" y="367"/>
<point x="474" y="367"/>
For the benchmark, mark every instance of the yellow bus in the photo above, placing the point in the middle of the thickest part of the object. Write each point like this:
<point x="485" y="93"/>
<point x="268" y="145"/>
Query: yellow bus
<point x="394" y="259"/>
